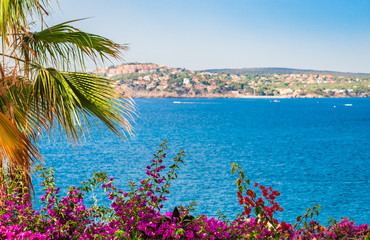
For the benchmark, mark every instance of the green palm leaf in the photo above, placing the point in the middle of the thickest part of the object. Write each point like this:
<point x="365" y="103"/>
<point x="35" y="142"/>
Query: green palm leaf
<point x="63" y="46"/>
<point x="75" y="99"/>
<point x="15" y="13"/>
<point x="18" y="96"/>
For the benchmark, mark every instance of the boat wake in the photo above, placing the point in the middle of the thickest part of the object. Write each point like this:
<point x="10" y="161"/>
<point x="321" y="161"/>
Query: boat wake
<point x="178" y="102"/>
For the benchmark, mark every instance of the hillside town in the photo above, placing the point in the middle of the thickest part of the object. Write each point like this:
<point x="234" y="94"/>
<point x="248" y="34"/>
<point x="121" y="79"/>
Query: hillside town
<point x="153" y="80"/>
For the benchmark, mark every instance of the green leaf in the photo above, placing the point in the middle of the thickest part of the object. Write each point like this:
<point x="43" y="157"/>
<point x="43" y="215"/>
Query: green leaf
<point x="305" y="225"/>
<point x="238" y="182"/>
<point x="258" y="211"/>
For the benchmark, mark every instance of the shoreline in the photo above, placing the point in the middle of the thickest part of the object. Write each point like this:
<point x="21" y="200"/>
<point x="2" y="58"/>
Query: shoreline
<point x="244" y="97"/>
<point x="134" y="93"/>
<point x="158" y="94"/>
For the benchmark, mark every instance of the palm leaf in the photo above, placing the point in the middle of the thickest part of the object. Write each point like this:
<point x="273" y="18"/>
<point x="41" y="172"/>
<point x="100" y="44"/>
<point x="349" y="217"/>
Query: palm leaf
<point x="77" y="99"/>
<point x="16" y="104"/>
<point x="63" y="45"/>
<point x="17" y="149"/>
<point x="27" y="120"/>
<point x="14" y="15"/>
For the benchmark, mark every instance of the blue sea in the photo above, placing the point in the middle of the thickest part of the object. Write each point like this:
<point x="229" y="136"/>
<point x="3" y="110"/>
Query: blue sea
<point x="313" y="151"/>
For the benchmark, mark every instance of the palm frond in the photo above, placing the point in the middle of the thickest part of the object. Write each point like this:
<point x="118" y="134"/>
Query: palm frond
<point x="63" y="45"/>
<point x="14" y="15"/>
<point x="17" y="149"/>
<point x="78" y="99"/>
<point x="27" y="121"/>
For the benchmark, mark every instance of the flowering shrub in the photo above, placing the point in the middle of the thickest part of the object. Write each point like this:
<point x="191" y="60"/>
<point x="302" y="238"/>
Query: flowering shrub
<point x="136" y="214"/>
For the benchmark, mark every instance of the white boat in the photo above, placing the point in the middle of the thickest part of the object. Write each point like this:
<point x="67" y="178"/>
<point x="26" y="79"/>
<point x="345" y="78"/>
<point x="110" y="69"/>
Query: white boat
<point x="348" y="105"/>
<point x="276" y="100"/>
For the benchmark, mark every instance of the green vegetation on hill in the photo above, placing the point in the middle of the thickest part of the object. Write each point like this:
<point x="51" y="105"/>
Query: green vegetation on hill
<point x="284" y="71"/>
<point x="181" y="82"/>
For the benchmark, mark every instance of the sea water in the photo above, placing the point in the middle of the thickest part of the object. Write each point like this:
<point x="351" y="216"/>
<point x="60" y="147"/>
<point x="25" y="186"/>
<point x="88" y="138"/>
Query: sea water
<point x="313" y="151"/>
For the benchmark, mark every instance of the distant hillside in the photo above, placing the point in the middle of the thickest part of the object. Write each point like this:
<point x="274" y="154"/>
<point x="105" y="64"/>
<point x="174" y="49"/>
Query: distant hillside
<point x="283" y="71"/>
<point x="153" y="80"/>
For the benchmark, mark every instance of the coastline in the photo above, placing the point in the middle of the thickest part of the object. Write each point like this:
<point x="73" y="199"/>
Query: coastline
<point x="129" y="92"/>
<point x="141" y="94"/>
<point x="246" y="97"/>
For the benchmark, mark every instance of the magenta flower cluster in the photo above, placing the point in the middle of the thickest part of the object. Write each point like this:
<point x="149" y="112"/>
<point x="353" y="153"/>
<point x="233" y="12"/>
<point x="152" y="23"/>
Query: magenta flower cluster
<point x="135" y="214"/>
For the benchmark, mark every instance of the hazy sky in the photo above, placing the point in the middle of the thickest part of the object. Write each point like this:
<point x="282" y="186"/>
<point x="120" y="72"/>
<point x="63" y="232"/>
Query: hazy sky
<point x="201" y="34"/>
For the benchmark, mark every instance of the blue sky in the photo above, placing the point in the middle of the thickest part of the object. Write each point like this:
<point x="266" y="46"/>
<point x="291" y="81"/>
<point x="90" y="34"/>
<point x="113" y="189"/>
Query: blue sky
<point x="201" y="34"/>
